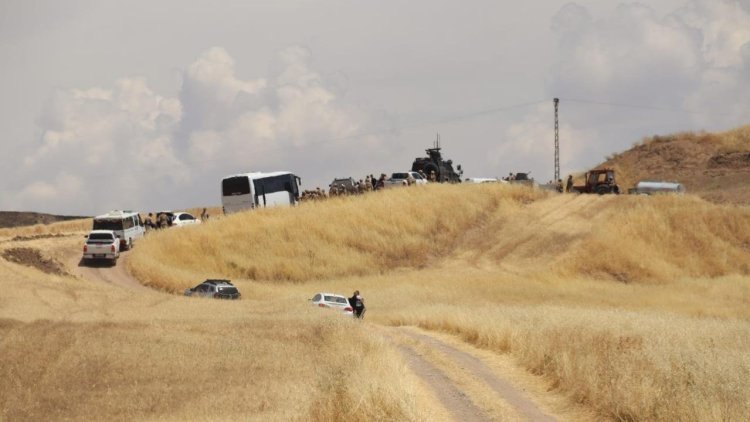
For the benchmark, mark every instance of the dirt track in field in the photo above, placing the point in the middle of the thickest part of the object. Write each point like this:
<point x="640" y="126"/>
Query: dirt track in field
<point x="439" y="378"/>
<point x="104" y="272"/>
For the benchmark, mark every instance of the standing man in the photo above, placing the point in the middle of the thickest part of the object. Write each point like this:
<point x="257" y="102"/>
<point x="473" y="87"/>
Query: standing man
<point x="357" y="303"/>
<point x="149" y="222"/>
<point x="163" y="220"/>
<point x="569" y="184"/>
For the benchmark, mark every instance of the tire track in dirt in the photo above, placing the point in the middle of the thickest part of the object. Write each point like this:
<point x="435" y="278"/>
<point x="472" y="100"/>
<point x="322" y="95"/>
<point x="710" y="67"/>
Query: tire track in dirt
<point x="516" y="398"/>
<point x="452" y="396"/>
<point x="458" y="404"/>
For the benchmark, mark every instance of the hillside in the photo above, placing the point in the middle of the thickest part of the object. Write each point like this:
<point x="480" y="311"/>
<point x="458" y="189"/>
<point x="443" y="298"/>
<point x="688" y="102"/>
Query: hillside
<point x="507" y="228"/>
<point x="19" y="219"/>
<point x="714" y="166"/>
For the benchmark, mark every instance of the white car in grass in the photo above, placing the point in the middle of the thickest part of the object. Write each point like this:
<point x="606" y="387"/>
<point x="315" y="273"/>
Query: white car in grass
<point x="333" y="301"/>
<point x="181" y="219"/>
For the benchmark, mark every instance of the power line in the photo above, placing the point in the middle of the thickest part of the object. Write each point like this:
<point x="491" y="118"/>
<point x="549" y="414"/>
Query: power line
<point x="644" y="107"/>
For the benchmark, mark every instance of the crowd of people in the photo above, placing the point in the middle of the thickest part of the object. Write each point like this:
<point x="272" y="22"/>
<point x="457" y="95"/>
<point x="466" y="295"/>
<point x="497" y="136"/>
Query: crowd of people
<point x="162" y="221"/>
<point x="345" y="187"/>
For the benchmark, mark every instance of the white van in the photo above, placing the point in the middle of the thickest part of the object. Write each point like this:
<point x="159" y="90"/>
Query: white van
<point x="127" y="225"/>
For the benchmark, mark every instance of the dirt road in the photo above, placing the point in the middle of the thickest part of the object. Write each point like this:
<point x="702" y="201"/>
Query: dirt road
<point x="468" y="388"/>
<point x="104" y="272"/>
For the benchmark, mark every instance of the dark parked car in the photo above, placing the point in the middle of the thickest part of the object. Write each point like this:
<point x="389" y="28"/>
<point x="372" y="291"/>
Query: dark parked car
<point x="218" y="289"/>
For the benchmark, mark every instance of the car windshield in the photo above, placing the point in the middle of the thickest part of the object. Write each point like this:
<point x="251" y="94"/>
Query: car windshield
<point x="399" y="176"/>
<point x="100" y="237"/>
<point x="335" y="299"/>
<point x="107" y="224"/>
<point x="346" y="182"/>
<point x="229" y="290"/>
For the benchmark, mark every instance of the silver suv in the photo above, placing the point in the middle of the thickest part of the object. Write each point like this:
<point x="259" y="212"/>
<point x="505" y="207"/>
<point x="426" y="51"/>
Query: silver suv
<point x="218" y="289"/>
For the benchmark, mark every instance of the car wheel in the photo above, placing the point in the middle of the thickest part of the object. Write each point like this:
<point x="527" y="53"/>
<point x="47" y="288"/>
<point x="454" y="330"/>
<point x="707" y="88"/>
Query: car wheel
<point x="602" y="189"/>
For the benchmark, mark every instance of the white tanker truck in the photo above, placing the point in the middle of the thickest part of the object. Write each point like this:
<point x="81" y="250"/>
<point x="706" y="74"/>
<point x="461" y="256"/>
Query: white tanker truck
<point x="650" y="187"/>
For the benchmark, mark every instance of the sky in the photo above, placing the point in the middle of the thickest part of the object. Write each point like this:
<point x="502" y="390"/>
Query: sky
<point x="146" y="105"/>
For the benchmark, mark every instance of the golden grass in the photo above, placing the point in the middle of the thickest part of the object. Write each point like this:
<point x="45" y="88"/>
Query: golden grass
<point x="350" y="236"/>
<point x="737" y="139"/>
<point x="635" y="307"/>
<point x="626" y="365"/>
<point x="634" y="239"/>
<point x="260" y="369"/>
<point x="612" y="299"/>
<point x="653" y="239"/>
<point x="62" y="227"/>
<point x="78" y="350"/>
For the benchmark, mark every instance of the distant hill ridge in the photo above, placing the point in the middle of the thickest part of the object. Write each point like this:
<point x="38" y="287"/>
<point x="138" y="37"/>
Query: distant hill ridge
<point x="714" y="166"/>
<point x="9" y="219"/>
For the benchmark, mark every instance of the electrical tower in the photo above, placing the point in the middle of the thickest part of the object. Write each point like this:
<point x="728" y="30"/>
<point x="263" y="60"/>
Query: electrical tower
<point x="557" y="143"/>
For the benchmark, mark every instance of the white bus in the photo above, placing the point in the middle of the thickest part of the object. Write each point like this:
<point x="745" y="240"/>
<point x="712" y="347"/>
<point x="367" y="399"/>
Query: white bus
<point x="127" y="225"/>
<point x="259" y="190"/>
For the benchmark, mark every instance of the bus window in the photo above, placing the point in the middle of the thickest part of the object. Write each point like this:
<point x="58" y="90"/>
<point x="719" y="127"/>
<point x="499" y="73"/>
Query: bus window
<point x="235" y="186"/>
<point x="273" y="184"/>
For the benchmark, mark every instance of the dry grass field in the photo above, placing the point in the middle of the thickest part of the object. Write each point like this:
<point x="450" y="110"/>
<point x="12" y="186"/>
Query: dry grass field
<point x="632" y="307"/>
<point x="76" y="349"/>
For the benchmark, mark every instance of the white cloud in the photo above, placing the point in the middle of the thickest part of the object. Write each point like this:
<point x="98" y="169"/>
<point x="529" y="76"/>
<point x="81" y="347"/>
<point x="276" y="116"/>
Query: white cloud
<point x="156" y="143"/>
<point x="693" y="61"/>
<point x="524" y="139"/>
<point x="129" y="147"/>
<point x="61" y="188"/>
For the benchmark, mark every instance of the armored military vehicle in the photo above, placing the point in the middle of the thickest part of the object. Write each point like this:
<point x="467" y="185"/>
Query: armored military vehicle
<point x="434" y="163"/>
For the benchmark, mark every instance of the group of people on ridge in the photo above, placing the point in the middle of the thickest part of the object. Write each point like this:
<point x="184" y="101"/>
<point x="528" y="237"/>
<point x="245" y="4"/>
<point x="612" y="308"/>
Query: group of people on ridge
<point x="369" y="184"/>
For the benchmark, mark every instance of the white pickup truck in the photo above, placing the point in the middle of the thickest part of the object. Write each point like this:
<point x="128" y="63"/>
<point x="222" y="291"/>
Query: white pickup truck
<point x="399" y="179"/>
<point x="102" y="244"/>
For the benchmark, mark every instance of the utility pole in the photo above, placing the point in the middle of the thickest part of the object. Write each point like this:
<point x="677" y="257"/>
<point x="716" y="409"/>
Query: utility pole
<point x="557" y="142"/>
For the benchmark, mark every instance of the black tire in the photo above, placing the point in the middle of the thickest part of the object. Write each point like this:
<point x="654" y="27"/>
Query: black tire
<point x="429" y="168"/>
<point x="603" y="189"/>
